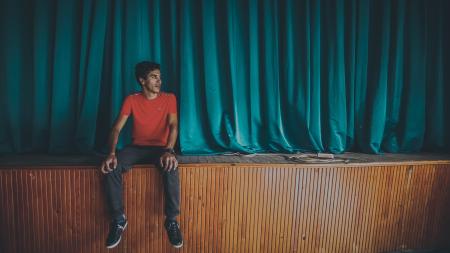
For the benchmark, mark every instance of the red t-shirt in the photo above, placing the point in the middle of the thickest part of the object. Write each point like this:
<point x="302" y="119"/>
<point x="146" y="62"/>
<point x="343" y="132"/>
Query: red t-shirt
<point x="150" y="117"/>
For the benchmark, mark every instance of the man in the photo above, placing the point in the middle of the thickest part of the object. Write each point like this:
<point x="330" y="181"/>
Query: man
<point x="155" y="130"/>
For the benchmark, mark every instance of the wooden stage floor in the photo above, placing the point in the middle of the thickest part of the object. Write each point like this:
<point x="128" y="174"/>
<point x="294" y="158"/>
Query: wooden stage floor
<point x="271" y="158"/>
<point x="267" y="203"/>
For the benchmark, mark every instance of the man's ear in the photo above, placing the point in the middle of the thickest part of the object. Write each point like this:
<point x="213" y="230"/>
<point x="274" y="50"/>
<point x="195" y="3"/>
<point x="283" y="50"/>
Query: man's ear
<point x="141" y="81"/>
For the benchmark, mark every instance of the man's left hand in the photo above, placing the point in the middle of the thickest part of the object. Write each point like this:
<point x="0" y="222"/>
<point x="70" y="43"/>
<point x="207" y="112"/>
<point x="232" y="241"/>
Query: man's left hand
<point x="168" y="161"/>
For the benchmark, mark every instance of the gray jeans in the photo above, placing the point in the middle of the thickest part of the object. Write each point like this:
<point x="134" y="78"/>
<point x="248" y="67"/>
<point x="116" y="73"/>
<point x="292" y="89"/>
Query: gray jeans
<point x="126" y="158"/>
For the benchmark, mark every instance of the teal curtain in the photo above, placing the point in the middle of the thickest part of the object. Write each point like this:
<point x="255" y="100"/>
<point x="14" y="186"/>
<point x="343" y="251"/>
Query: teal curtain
<point x="250" y="76"/>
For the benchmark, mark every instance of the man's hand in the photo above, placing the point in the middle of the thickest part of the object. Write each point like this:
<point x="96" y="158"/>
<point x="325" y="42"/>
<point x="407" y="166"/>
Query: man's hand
<point x="109" y="164"/>
<point x="168" y="161"/>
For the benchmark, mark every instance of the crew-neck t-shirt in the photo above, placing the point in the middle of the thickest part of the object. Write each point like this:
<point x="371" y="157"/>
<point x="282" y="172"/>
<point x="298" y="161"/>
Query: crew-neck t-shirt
<point x="150" y="117"/>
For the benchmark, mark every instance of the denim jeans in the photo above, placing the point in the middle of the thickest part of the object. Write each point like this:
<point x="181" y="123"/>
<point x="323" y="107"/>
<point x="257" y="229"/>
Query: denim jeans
<point x="126" y="158"/>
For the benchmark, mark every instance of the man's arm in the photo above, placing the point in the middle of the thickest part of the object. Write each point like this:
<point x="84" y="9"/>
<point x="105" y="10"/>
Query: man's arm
<point x="168" y="160"/>
<point x="110" y="162"/>
<point x="173" y="130"/>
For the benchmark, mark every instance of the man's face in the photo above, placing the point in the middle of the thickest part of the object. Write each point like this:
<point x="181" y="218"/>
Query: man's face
<point x="153" y="81"/>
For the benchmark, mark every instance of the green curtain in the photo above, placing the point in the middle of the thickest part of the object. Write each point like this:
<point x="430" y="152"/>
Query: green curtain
<point x="250" y="76"/>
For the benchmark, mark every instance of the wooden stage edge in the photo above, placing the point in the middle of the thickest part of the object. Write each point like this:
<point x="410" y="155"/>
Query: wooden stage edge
<point x="308" y="159"/>
<point x="397" y="205"/>
<point x="308" y="165"/>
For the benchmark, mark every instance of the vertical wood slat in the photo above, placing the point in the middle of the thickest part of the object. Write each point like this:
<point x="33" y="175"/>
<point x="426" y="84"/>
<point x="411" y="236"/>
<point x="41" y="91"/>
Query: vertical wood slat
<point x="228" y="208"/>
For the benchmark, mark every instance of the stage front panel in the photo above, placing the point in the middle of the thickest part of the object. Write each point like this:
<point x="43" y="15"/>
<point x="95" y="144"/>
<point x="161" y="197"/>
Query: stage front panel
<point x="233" y="208"/>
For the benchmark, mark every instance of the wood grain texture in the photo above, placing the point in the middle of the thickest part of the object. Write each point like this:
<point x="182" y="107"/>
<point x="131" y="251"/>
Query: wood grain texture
<point x="233" y="208"/>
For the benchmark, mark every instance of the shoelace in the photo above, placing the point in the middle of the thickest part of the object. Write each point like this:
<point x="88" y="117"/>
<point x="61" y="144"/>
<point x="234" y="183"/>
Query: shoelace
<point x="172" y="228"/>
<point x="117" y="225"/>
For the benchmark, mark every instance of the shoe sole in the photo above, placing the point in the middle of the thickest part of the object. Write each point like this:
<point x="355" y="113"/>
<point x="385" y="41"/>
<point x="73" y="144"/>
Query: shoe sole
<point x="120" y="238"/>
<point x="178" y="246"/>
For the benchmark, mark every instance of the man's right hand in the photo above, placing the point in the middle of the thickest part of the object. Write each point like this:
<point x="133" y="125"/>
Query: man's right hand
<point x="109" y="164"/>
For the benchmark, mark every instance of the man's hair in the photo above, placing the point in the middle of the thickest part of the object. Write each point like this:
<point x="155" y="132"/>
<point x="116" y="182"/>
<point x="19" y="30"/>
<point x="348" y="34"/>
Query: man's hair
<point x="142" y="69"/>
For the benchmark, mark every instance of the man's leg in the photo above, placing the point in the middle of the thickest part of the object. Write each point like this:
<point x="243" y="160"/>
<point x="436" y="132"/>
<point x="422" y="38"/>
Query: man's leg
<point x="114" y="192"/>
<point x="171" y="183"/>
<point x="114" y="184"/>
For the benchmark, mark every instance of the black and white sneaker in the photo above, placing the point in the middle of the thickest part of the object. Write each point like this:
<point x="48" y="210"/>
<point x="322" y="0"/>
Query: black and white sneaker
<point x="115" y="233"/>
<point x="174" y="233"/>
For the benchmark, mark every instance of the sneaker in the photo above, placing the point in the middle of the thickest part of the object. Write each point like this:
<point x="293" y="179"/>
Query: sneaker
<point x="174" y="233"/>
<point x="115" y="233"/>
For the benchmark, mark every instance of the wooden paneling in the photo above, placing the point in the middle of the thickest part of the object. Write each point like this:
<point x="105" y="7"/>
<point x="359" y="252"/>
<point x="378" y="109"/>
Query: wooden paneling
<point x="233" y="208"/>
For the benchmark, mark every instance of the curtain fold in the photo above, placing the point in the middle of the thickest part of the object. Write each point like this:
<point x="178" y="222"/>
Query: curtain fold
<point x="250" y="76"/>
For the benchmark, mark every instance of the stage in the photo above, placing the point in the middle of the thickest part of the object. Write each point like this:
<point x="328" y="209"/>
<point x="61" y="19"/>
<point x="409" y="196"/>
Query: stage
<point x="234" y="203"/>
<point x="14" y="160"/>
